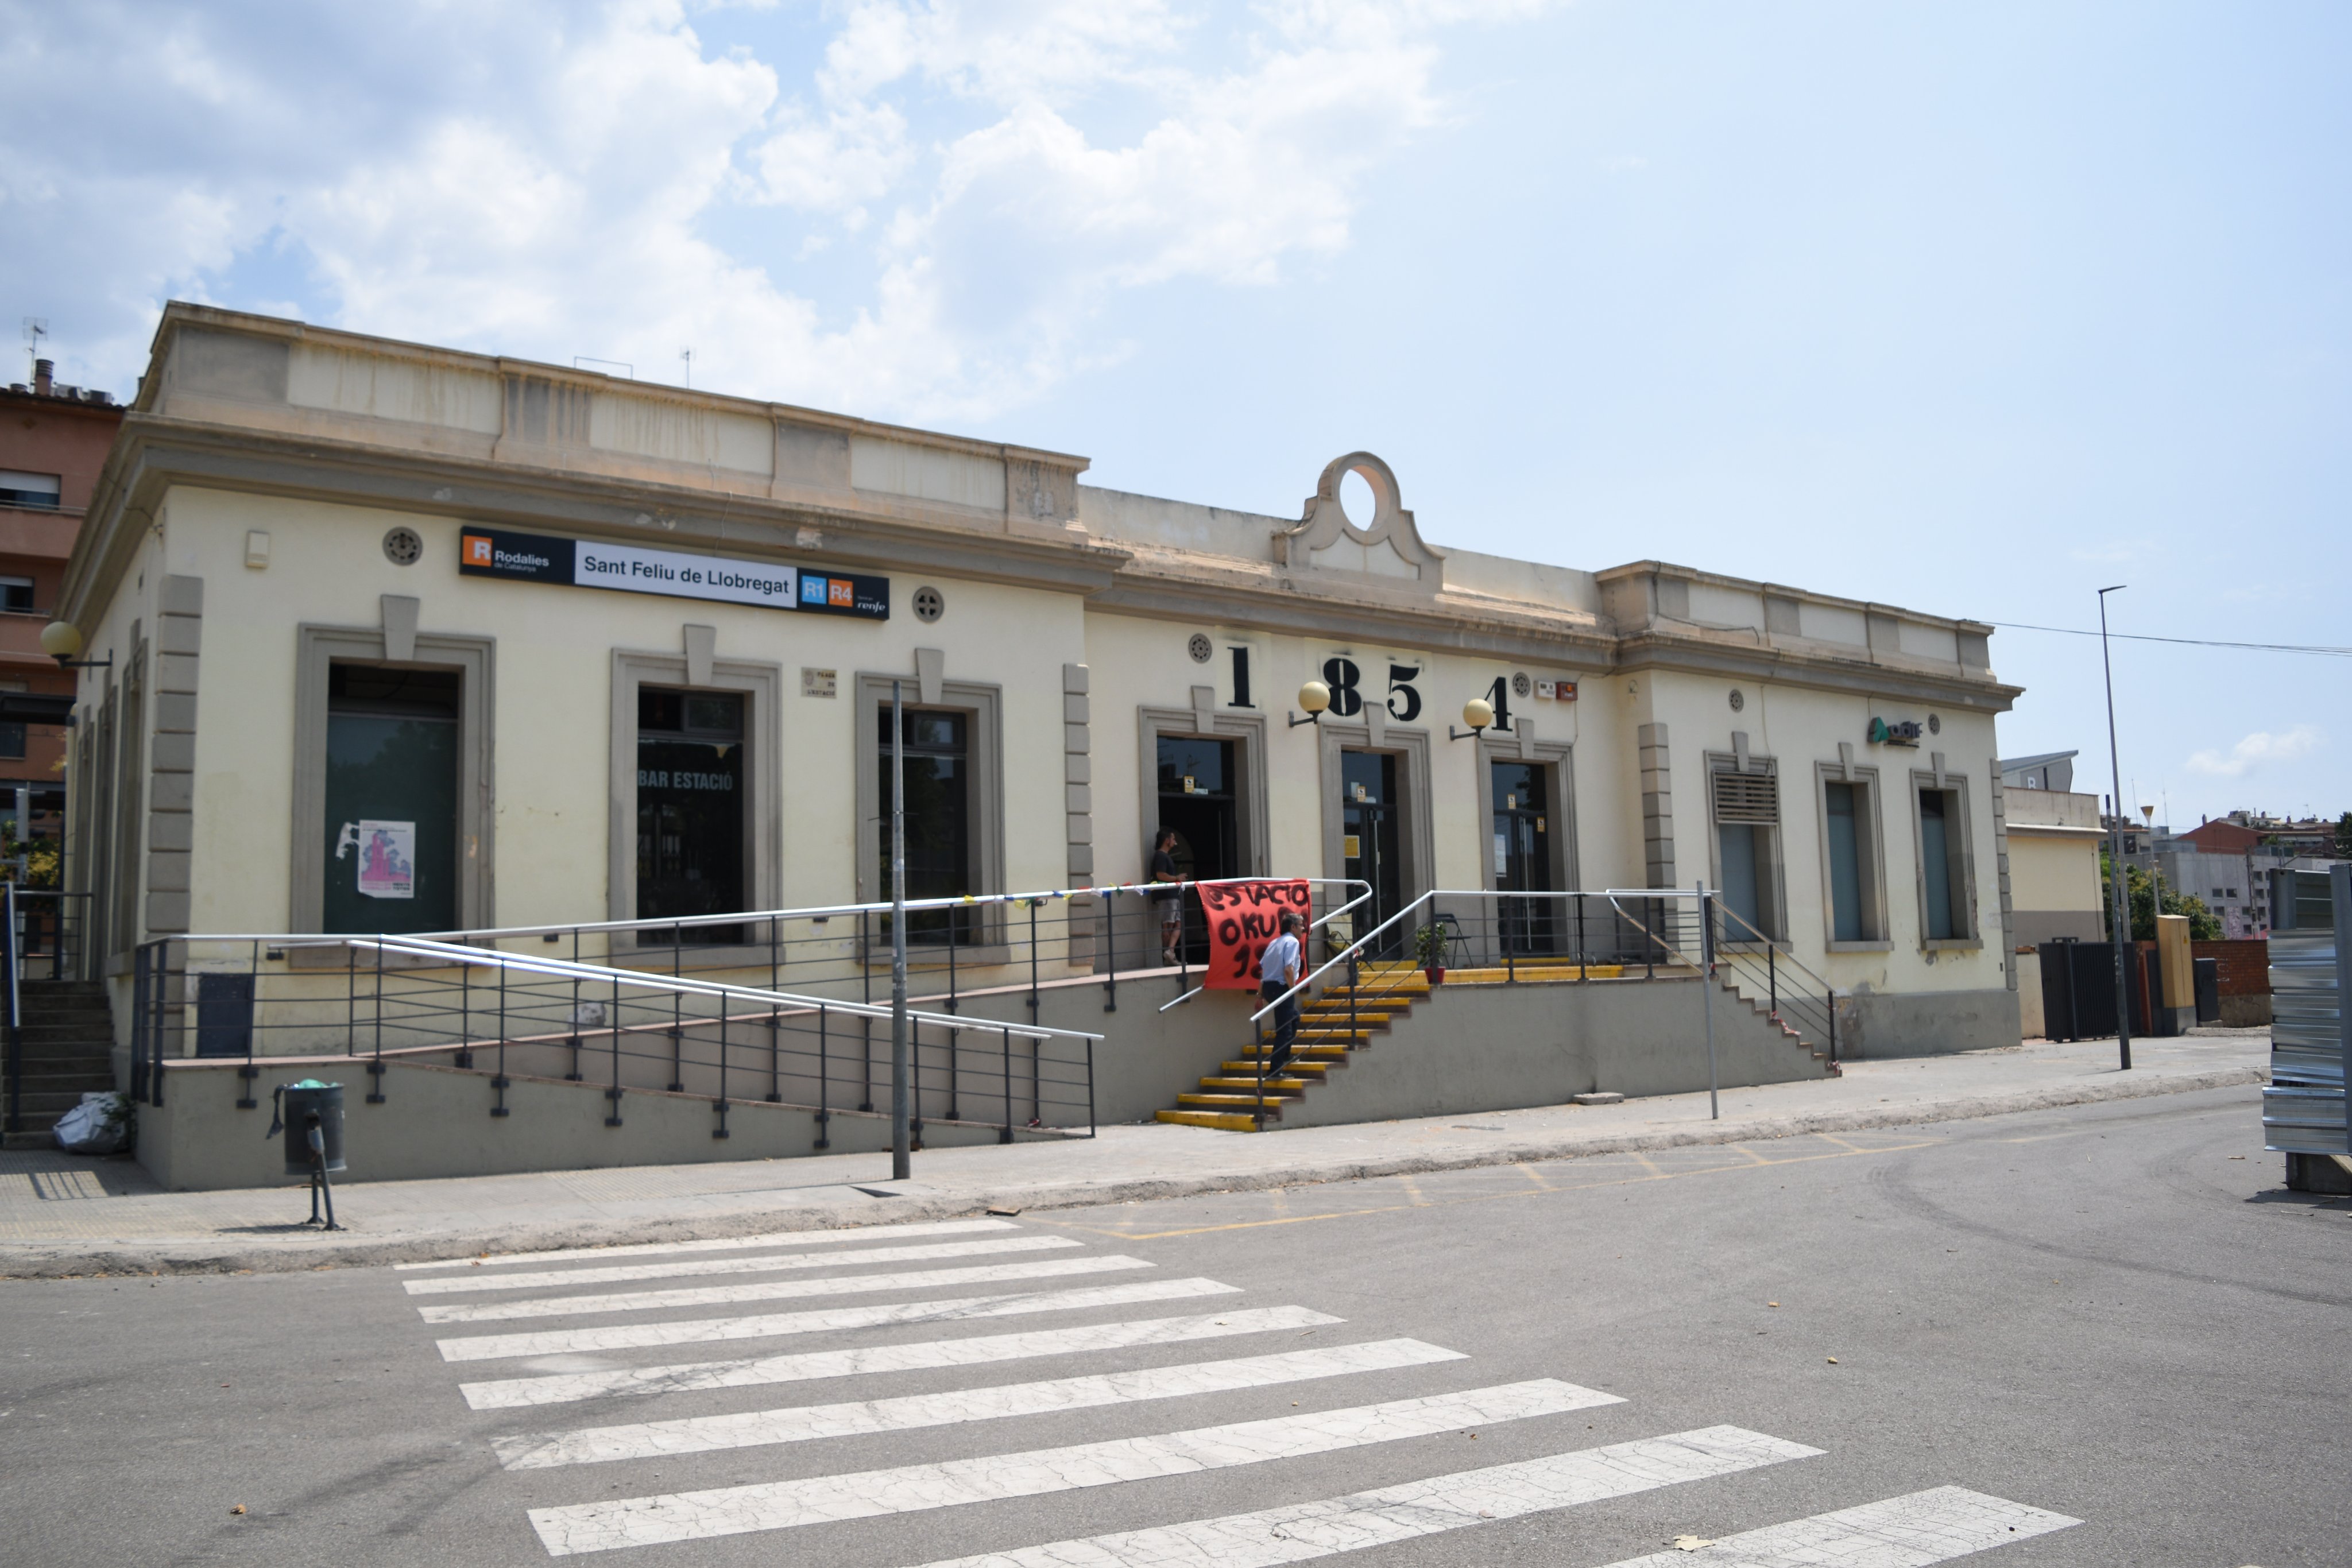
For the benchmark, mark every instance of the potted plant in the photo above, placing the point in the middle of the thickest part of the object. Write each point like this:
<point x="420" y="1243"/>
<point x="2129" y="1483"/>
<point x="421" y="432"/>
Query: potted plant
<point x="1429" y="951"/>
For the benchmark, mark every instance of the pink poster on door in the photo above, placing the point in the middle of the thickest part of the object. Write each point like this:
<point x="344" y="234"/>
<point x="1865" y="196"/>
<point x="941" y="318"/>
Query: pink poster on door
<point x="387" y="860"/>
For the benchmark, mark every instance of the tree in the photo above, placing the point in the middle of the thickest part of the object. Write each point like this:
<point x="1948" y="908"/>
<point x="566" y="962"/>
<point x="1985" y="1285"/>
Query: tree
<point x="2204" y="925"/>
<point x="2343" y="837"/>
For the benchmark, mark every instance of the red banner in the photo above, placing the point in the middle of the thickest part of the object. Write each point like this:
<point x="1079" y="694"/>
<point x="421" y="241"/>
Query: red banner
<point x="1244" y="917"/>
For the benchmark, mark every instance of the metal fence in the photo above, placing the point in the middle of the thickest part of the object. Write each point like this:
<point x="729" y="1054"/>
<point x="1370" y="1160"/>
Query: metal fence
<point x="392" y="998"/>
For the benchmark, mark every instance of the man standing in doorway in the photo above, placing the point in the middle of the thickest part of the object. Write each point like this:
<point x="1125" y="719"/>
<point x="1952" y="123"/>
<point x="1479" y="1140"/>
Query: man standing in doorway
<point x="1171" y="900"/>
<point x="1278" y="972"/>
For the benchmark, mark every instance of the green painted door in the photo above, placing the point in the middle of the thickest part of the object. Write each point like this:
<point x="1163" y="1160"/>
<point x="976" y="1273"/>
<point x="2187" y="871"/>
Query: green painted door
<point x="392" y="800"/>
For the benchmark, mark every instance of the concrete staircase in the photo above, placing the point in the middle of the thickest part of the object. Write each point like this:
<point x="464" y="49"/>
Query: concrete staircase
<point x="1386" y="998"/>
<point x="1229" y="1098"/>
<point x="68" y="1045"/>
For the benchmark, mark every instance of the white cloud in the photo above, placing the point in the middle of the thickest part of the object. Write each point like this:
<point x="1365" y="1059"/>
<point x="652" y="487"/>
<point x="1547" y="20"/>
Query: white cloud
<point x="919" y="218"/>
<point x="2254" y="750"/>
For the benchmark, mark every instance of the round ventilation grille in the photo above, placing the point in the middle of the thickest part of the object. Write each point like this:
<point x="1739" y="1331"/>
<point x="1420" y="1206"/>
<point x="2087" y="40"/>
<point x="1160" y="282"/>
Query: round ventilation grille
<point x="1198" y="647"/>
<point x="403" y="547"/>
<point x="930" y="605"/>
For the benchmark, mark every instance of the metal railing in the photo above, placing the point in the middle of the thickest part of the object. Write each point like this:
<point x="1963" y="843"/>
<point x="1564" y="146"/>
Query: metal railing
<point x="393" y="998"/>
<point x="48" y="932"/>
<point x="982" y="941"/>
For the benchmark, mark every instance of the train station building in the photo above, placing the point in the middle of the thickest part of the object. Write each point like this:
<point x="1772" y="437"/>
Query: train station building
<point x="378" y="636"/>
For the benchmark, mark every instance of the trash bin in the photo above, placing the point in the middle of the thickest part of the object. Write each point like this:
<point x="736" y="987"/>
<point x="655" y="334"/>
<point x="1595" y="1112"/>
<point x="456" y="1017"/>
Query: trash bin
<point x="296" y="1100"/>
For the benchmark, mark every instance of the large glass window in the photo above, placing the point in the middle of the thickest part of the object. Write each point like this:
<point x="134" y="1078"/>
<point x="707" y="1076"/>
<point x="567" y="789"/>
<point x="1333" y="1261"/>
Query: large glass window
<point x="938" y="819"/>
<point x="690" y="804"/>
<point x="1845" y="838"/>
<point x="1944" y="892"/>
<point x="391" y="800"/>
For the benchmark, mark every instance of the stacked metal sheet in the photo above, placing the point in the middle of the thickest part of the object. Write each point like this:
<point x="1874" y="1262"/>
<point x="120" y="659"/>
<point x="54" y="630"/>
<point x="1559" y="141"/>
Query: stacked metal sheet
<point x="2311" y="1035"/>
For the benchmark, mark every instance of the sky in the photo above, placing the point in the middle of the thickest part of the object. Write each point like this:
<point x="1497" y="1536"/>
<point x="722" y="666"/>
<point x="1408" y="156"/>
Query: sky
<point x="1972" y="310"/>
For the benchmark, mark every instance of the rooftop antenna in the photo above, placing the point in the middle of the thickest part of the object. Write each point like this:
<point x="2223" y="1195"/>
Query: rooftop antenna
<point x="35" y="329"/>
<point x="688" y="355"/>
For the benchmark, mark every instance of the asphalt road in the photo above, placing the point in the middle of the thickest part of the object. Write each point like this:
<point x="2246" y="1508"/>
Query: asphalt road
<point x="2114" y="1314"/>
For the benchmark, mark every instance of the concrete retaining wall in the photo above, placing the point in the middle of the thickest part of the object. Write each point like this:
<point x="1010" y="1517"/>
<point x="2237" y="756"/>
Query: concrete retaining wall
<point x="1494" y="1048"/>
<point x="1927" y="1023"/>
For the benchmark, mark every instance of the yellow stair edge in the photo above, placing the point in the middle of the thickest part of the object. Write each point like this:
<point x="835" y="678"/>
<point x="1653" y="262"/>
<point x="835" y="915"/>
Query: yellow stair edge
<point x="1296" y="1064"/>
<point x="1243" y="1082"/>
<point x="1195" y="1101"/>
<point x="1222" y="1121"/>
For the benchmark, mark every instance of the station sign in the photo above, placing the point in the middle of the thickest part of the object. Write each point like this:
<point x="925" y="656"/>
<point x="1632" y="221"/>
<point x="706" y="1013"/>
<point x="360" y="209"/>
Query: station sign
<point x="677" y="574"/>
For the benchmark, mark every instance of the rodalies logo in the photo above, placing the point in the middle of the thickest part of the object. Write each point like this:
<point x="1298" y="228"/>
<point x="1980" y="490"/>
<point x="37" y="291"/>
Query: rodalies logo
<point x="478" y="550"/>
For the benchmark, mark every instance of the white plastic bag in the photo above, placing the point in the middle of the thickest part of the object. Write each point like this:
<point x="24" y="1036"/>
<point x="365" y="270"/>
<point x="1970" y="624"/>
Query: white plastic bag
<point x="100" y="1125"/>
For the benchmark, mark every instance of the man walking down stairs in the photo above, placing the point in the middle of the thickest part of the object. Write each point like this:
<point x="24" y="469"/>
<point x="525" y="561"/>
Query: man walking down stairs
<point x="1278" y="972"/>
<point x="68" y="1052"/>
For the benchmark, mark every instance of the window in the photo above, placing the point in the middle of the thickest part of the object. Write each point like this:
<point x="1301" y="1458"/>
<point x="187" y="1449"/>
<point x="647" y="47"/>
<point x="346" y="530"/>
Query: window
<point x="16" y="595"/>
<point x="1944" y="892"/>
<point x="36" y="491"/>
<point x="1748" y="848"/>
<point x="691" y="800"/>
<point x="938" y="819"/>
<point x="12" y="742"/>
<point x="1850" y="858"/>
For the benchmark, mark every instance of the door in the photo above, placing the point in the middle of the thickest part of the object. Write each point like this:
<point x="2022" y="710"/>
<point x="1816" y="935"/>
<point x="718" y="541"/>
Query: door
<point x="1522" y="852"/>
<point x="691" y="786"/>
<point x="1196" y="802"/>
<point x="392" y="800"/>
<point x="1370" y="816"/>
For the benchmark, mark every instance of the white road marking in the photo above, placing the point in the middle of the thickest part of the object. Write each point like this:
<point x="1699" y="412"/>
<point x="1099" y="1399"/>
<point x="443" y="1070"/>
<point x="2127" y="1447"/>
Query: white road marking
<point x="807" y="1422"/>
<point x="775" y="1289"/>
<point x="560" y="1388"/>
<point x="723" y="1244"/>
<point x="466" y="1282"/>
<point x="1301" y="1531"/>
<point x="821" y="1320"/>
<point x="1902" y="1533"/>
<point x="779" y="1505"/>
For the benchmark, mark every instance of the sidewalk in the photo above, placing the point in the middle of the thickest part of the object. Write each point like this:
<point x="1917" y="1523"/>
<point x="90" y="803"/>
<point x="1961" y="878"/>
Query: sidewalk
<point x="64" y="1214"/>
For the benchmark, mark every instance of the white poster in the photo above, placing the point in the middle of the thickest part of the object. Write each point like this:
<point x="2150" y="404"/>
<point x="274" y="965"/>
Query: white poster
<point x="387" y="867"/>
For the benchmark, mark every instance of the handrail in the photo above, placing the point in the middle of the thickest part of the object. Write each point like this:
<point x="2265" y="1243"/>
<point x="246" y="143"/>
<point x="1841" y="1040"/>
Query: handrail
<point x="563" y="968"/>
<point x="830" y="911"/>
<point x="1352" y="950"/>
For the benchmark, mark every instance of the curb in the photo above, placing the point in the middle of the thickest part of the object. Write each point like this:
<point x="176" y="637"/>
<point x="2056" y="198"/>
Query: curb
<point x="50" y="1260"/>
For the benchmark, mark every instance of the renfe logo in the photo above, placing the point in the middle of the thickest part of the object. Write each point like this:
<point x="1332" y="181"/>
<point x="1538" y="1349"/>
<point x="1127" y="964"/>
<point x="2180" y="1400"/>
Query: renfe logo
<point x="478" y="550"/>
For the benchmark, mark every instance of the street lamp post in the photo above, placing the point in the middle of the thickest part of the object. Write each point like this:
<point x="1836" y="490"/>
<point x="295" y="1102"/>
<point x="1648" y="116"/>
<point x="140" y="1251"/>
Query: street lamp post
<point x="2117" y="895"/>
<point x="901" y="1158"/>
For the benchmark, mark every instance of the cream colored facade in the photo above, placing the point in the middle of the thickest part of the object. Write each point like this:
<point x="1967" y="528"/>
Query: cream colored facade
<point x="242" y="524"/>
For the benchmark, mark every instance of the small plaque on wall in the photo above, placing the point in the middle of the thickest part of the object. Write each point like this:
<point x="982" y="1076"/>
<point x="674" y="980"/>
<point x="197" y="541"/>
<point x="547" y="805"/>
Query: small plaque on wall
<point x="818" y="683"/>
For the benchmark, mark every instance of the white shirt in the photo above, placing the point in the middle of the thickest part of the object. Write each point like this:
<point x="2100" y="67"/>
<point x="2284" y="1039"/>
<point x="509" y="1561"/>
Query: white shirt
<point x="1281" y="957"/>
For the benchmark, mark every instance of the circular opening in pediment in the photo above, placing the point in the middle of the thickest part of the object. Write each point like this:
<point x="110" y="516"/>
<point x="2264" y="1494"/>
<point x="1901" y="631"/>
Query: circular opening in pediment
<point x="1357" y="500"/>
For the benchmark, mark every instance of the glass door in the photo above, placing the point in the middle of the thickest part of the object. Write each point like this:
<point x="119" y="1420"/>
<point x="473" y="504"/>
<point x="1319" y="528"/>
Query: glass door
<point x="1370" y="814"/>
<point x="1522" y="850"/>
<point x="1196" y="803"/>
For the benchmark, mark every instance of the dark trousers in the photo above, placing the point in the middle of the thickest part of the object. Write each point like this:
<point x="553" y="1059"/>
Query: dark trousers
<point x="1285" y="1022"/>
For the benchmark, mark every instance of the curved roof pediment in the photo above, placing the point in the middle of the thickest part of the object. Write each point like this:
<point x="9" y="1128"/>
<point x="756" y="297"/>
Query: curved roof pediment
<point x="1388" y="550"/>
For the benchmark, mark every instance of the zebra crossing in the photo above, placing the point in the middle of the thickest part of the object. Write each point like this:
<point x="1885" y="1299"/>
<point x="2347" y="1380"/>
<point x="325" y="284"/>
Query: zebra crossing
<point x="572" y="1372"/>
